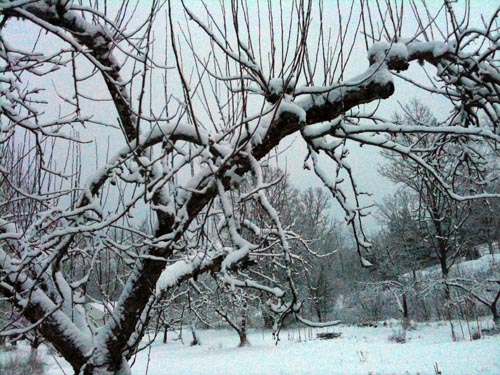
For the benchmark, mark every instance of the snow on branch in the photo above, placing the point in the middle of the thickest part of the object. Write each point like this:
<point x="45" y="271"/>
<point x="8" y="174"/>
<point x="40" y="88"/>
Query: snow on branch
<point x="172" y="198"/>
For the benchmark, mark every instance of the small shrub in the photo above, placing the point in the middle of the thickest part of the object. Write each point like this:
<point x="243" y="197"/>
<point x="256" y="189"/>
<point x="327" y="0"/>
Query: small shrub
<point x="490" y="331"/>
<point x="17" y="364"/>
<point x="398" y="336"/>
<point x="363" y="356"/>
<point x="476" y="335"/>
<point x="410" y="325"/>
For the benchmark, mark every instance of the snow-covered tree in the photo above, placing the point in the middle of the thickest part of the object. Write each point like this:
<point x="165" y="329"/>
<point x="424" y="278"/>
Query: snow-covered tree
<point x="174" y="104"/>
<point x="483" y="224"/>
<point x="322" y="239"/>
<point x="440" y="218"/>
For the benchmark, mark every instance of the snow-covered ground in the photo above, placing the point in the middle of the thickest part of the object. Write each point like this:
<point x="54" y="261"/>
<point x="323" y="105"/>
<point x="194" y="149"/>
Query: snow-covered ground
<point x="360" y="350"/>
<point x="464" y="268"/>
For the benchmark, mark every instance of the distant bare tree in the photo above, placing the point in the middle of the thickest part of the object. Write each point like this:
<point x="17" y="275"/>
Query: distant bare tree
<point x="442" y="217"/>
<point x="401" y="246"/>
<point x="321" y="239"/>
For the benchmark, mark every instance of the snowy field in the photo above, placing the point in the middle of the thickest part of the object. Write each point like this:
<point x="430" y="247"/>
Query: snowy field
<point x="360" y="350"/>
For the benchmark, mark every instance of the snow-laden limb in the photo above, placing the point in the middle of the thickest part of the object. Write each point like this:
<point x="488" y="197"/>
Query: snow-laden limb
<point x="468" y="74"/>
<point x="66" y="336"/>
<point x="487" y="293"/>
<point x="6" y="5"/>
<point x="353" y="213"/>
<point x="165" y="133"/>
<point x="210" y="260"/>
<point x="184" y="269"/>
<point x="383" y="135"/>
<point x="273" y="214"/>
<point x="251" y="284"/>
<point x="336" y="127"/>
<point x="383" y="142"/>
<point x="186" y="168"/>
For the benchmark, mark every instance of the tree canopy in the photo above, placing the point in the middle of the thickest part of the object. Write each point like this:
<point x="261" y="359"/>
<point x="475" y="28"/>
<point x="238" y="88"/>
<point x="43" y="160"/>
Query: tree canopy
<point x="195" y="97"/>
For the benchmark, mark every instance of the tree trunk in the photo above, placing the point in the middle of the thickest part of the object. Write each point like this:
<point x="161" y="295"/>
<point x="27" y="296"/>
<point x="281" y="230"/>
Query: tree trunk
<point x="243" y="339"/>
<point x="444" y="272"/>
<point x="106" y="369"/>
<point x="196" y="338"/>
<point x="496" y="314"/>
<point x="496" y="320"/>
<point x="490" y="246"/>
<point x="165" y="333"/>
<point x="242" y="332"/>
<point x="268" y="319"/>
<point x="35" y="343"/>
<point x="406" y="316"/>
<point x="317" y="307"/>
